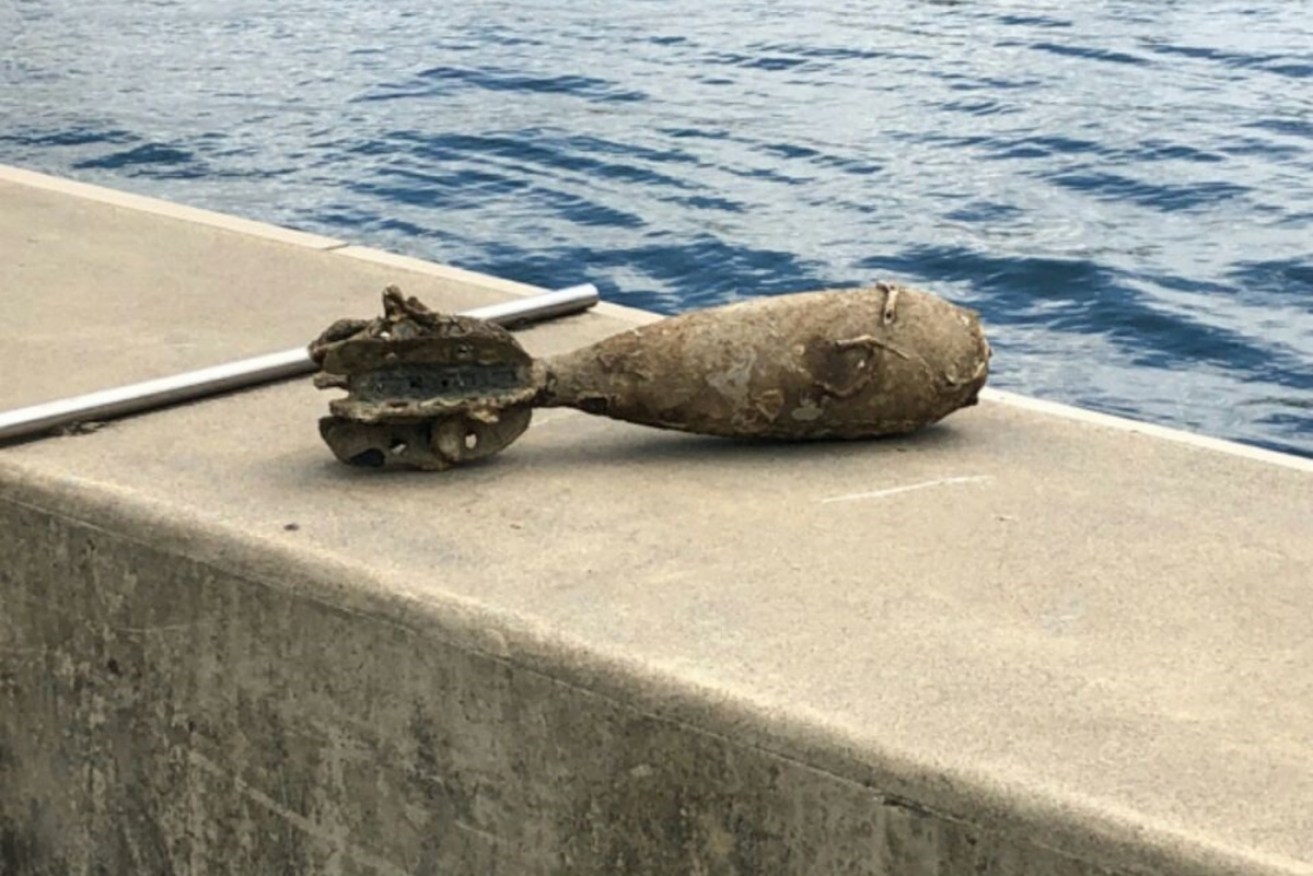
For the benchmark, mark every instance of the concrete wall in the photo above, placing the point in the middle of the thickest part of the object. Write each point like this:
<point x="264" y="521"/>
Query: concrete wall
<point x="1029" y="641"/>
<point x="162" y="715"/>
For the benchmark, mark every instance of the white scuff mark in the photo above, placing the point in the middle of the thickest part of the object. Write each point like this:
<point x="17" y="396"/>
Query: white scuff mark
<point x="156" y="630"/>
<point x="487" y="836"/>
<point x="541" y="419"/>
<point x="733" y="381"/>
<point x="906" y="488"/>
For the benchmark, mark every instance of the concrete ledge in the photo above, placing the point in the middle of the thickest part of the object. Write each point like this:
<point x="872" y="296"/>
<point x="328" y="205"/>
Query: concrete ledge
<point x="266" y="722"/>
<point x="141" y="204"/>
<point x="153" y="206"/>
<point x="1017" y="643"/>
<point x="1108" y="421"/>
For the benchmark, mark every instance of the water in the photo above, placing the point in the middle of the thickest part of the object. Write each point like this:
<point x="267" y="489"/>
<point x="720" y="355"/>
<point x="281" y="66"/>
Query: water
<point x="1123" y="189"/>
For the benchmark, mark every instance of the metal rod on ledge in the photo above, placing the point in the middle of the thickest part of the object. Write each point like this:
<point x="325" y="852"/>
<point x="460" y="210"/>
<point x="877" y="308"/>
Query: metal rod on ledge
<point x="165" y="391"/>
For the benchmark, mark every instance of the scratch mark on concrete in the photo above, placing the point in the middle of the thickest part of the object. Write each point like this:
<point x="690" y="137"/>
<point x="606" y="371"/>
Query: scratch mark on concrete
<point x="906" y="488"/>
<point x="6" y="651"/>
<point x="485" y="835"/>
<point x="335" y="839"/>
<point x="164" y="628"/>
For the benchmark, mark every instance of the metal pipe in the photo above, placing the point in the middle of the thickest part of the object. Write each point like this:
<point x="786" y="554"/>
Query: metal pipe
<point x="164" y="391"/>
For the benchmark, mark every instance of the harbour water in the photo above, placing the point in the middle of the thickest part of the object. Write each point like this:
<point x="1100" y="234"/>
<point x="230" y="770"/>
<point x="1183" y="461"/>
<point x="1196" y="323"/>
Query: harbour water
<point x="1123" y="189"/>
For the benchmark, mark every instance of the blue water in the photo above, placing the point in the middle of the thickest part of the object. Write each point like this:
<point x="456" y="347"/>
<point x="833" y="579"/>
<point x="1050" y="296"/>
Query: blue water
<point x="1123" y="189"/>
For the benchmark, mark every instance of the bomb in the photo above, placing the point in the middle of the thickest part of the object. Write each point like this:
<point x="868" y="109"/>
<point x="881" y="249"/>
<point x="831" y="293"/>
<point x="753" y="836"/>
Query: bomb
<point x="427" y="390"/>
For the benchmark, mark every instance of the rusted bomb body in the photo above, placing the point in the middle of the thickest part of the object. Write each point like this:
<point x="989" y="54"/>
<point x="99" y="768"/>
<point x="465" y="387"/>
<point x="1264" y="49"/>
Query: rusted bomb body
<point x="838" y="364"/>
<point x="431" y="391"/>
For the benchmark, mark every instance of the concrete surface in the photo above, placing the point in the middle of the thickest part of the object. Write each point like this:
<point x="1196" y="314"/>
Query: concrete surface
<point x="1019" y="643"/>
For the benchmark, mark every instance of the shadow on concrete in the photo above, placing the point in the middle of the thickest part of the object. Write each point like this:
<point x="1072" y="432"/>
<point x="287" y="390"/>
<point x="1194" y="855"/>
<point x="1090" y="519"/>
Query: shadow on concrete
<point x="656" y="447"/>
<point x="597" y="451"/>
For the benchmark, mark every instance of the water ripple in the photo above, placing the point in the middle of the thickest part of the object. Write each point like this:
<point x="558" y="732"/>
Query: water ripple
<point x="1158" y="196"/>
<point x="1090" y="52"/>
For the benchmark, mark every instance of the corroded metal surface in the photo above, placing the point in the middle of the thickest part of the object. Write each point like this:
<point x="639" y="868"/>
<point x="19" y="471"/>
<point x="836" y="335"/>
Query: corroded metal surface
<point x="425" y="390"/>
<point x="431" y="391"/>
<point x="838" y="364"/>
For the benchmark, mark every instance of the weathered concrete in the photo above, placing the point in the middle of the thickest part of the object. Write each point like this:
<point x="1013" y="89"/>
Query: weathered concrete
<point x="1018" y="643"/>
